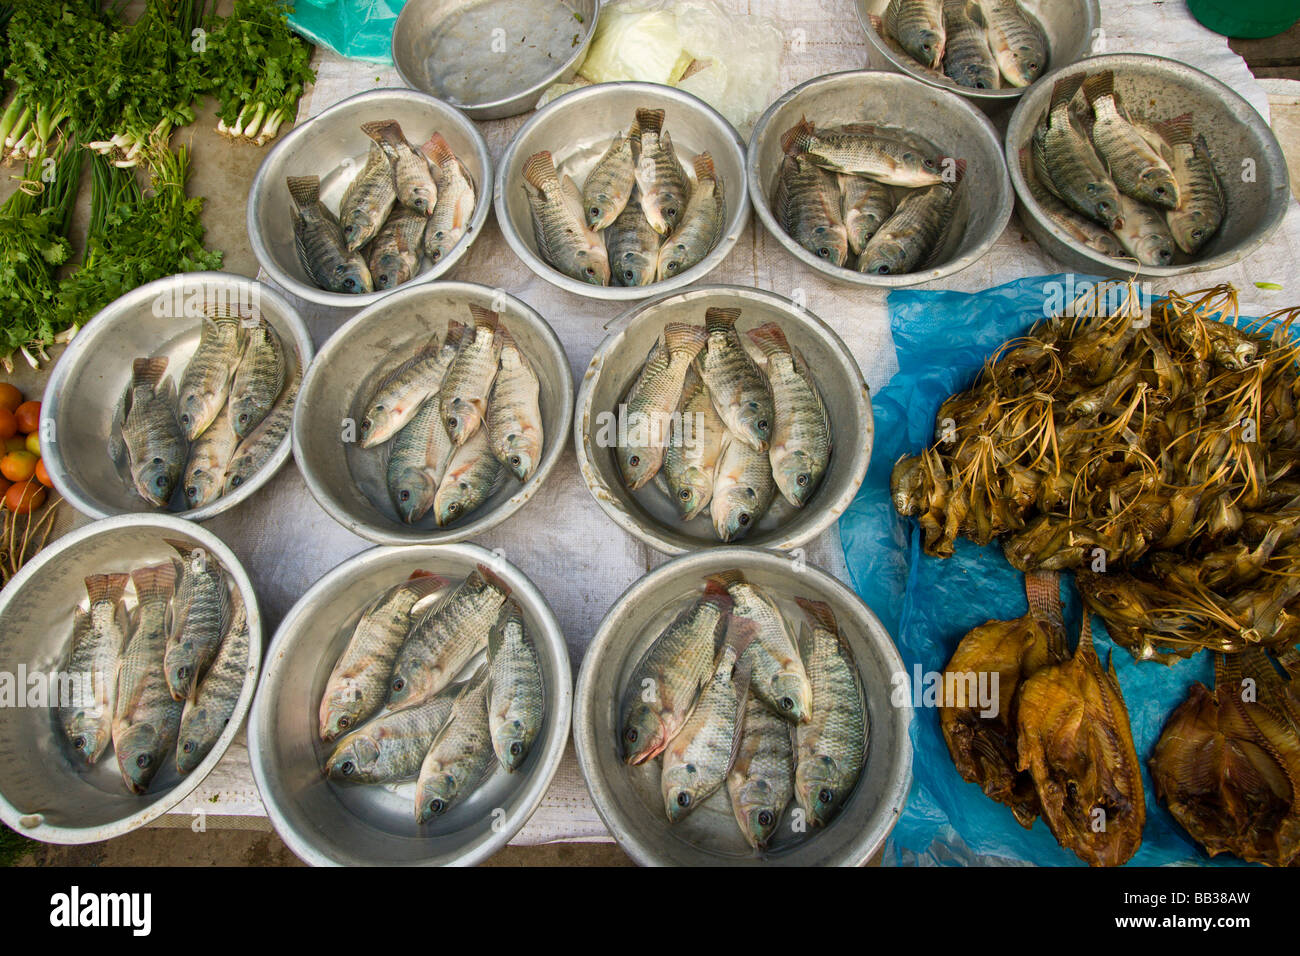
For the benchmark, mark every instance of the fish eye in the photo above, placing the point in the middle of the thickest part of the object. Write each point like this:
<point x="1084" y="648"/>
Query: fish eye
<point x="515" y="460"/>
<point x="436" y="806"/>
<point x="383" y="277"/>
<point x="143" y="761"/>
<point x="826" y="795"/>
<point x="980" y="85"/>
<point x="630" y="735"/>
<point x="157" y="461"/>
<point x="236" y="481"/>
<point x="671" y="267"/>
<point x="684" y="494"/>
<point x="191" y="491"/>
<point x="347" y="767"/>
<point x="627" y="274"/>
<point x="185" y="420"/>
<point x="78" y="742"/>
<point x="671" y="211"/>
<point x="744" y="518"/>
<point x="1160" y="190"/>
<point x="762" y="424"/>
<point x="398" y="684"/>
<point x="589" y="271"/>
<point x="516" y="749"/>
<point x="182" y="673"/>
<point x="160" y="481"/>
<point x="683" y="799"/>
<point x="243" y="417"/>
<point x="786" y="703"/>
<point x="882" y="269"/>
<point x="345" y="723"/>
<point x="595" y="211"/>
<point x="928" y="163"/>
<point x="824" y="253"/>
<point x="436" y="255"/>
<point x="634" y="460"/>
<point x="802" y="481"/>
<point x="1198" y="233"/>
<point x="349" y="284"/>
<point x="764" y="818"/>
<point x="188" y="746"/>
<point x="404" y="496"/>
<point x="453" y="508"/>
<point x="451" y="423"/>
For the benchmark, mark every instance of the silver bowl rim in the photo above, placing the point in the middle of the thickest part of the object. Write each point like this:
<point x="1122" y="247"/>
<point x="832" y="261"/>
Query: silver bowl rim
<point x="318" y="296"/>
<point x="551" y="452"/>
<point x="650" y="534"/>
<point x="994" y="226"/>
<point x="115" y="310"/>
<point x="611" y="293"/>
<point x="1026" y="113"/>
<point x="584" y="743"/>
<point x="49" y="833"/>
<point x="987" y="98"/>
<point x="506" y="106"/>
<point x="551" y="633"/>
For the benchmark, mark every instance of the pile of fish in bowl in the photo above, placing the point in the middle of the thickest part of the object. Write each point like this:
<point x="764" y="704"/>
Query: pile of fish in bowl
<point x="1125" y="185"/>
<point x="769" y="720"/>
<point x="406" y="204"/>
<point x="394" y="711"/>
<point x="874" y="199"/>
<point x="189" y="441"/>
<point x="166" y="675"/>
<point x="638" y="217"/>
<point x="716" y="429"/>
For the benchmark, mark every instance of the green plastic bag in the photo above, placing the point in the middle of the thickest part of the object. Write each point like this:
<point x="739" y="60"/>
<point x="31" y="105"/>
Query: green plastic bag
<point x="358" y="29"/>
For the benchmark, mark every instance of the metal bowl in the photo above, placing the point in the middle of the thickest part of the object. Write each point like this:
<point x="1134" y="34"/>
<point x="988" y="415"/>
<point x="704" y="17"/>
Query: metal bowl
<point x="648" y="513"/>
<point x="1237" y="136"/>
<point x="349" y="481"/>
<point x="935" y="115"/>
<point x="82" y="405"/>
<point x="577" y="128"/>
<point x="328" y="824"/>
<point x="492" y="58"/>
<point x="332" y="146"/>
<point x="44" y="794"/>
<point x="628" y="798"/>
<point x="1071" y="27"/>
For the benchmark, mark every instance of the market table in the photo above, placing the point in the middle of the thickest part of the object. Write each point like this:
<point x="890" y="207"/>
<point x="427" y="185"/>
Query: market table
<point x="578" y="558"/>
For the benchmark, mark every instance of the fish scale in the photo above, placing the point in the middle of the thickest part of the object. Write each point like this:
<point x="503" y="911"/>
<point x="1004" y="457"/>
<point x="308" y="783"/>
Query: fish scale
<point x="807" y="202"/>
<point x="910" y="237"/>
<point x="445" y="639"/>
<point x="867" y="206"/>
<point x="471" y="475"/>
<point x="801" y="440"/>
<point x="205" y="384"/>
<point x="258" y="379"/>
<point x="1081" y="228"/>
<point x="205" y="470"/>
<point x="98" y="639"/>
<point x="468" y="383"/>
<point x="1201" y="200"/>
<point x="918" y="27"/>
<point x="368" y="199"/>
<point x="390" y="746"/>
<point x="1017" y="43"/>
<point x="653" y="398"/>
<point x="777" y="674"/>
<point x="208" y="712"/>
<point x="514" y="416"/>
<point x="419" y="460"/>
<point x="693" y="452"/>
<point x="1136" y="168"/>
<point x="1066" y="163"/>
<point x="664" y="186"/>
<point x="633" y="245"/>
<point x="153" y="437"/>
<point x="201" y="614"/>
<point x="560" y="229"/>
<point x="737" y="387"/>
<point x="456" y="200"/>
<point x="358" y="683"/>
<point x="402" y="391"/>
<point x="967" y="59"/>
<point x="701" y="224"/>
<point x="461" y="756"/>
<point x="318" y="240"/>
<point x="761" y="782"/>
<point x="743" y="489"/>
<point x="516" y="704"/>
<point x="609" y="185"/>
<point x="416" y="188"/>
<point x="831" y="747"/>
<point x="862" y="150"/>
<point x="395" y="250"/>
<point x="255" y="450"/>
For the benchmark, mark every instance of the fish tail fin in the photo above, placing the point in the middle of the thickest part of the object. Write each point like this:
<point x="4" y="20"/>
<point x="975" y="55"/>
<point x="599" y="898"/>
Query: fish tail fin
<point x="961" y="169"/>
<point x="715" y="592"/>
<point x="721" y="320"/>
<point x="539" y="171"/>
<point x="683" y="337"/>
<point x="437" y="150"/>
<point x="424" y="583"/>
<point x="493" y="579"/>
<point x="148" y="371"/>
<point x="795" y="140"/>
<point x="1177" y="131"/>
<point x="819" y="613"/>
<point x="770" y="339"/>
<point x="157" y="582"/>
<point x="727" y="579"/>
<point x="704" y="171"/>
<point x="384" y="132"/>
<point x="455" y="333"/>
<point x="304" y="190"/>
<point x="1099" y="86"/>
<point x="649" y="121"/>
<point x="484" y="318"/>
<point x="1064" y="90"/>
<point x="741" y="632"/>
<point x="107" y="587"/>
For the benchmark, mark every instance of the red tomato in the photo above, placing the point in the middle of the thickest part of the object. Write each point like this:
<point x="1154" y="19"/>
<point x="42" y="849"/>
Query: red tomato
<point x="42" y="475"/>
<point x="18" y="465"/>
<point x="8" y="424"/>
<point x="10" y="397"/>
<point x="29" y="417"/>
<point x="24" y="497"/>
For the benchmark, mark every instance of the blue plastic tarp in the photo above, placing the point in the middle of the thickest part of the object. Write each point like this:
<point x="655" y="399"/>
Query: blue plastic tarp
<point x="360" y="29"/>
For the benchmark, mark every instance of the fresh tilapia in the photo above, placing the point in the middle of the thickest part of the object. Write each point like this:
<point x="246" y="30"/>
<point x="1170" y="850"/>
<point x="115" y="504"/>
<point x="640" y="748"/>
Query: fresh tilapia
<point x="1017" y="42"/>
<point x="395" y="252"/>
<point x="697" y="760"/>
<point x="917" y="25"/>
<point x="418" y="462"/>
<point x="514" y="417"/>
<point x="146" y="719"/>
<point x="609" y="184"/>
<point x="358" y="684"/>
<point x="1145" y="233"/>
<point x="1074" y="737"/>
<point x="743" y="489"/>
<point x="831" y="748"/>
<point x="461" y="756"/>
<point x="559" y="227"/>
<point x="777" y="674"/>
<point x="516" y="701"/>
<point x="368" y="199"/>
<point x="445" y="639"/>
<point x="694" y="449"/>
<point x="654" y="398"/>
<point x="667" y="680"/>
<point x="1136" y="168"/>
<point x="256" y="450"/>
<point x="402" y="391"/>
<point x="633" y="245"/>
<point x="912" y="235"/>
<point x="878" y="24"/>
<point x="155" y="444"/>
<point x="808" y="204"/>
<point x="735" y="383"/>
<point x="258" y="379"/>
<point x="1202" y="204"/>
<point x="700" y="226"/>
<point x="967" y="59"/>
<point x="468" y="383"/>
<point x="801" y="440"/>
<point x="98" y="639"/>
<point x="761" y="781"/>
<point x="456" y="197"/>
<point x="205" y="470"/>
<point x="208" y="712"/>
<point x="1065" y="162"/>
<point x="205" y="384"/>
<point x="867" y="206"/>
<point x="416" y="188"/>
<point x="391" y="745"/>
<point x="319" y="242"/>
<point x="664" y="186"/>
<point x="200" y="616"/>
<point x="471" y="474"/>
<point x="863" y="151"/>
<point x="1079" y="228"/>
